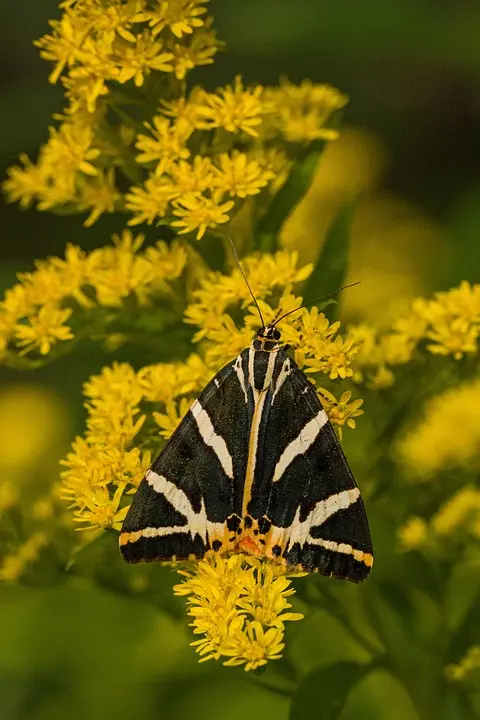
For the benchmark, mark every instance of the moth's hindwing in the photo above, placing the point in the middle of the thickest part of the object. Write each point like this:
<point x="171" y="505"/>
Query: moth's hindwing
<point x="182" y="506"/>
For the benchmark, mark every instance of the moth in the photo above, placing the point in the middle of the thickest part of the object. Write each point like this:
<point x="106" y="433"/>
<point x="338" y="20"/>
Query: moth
<point x="254" y="467"/>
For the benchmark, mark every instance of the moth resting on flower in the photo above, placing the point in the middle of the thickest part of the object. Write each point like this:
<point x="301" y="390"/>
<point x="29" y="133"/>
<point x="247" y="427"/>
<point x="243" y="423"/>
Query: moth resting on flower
<point x="254" y="467"/>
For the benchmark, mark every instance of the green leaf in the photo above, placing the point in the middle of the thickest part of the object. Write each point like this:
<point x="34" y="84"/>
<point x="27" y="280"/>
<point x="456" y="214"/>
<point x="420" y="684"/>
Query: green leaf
<point x="331" y="267"/>
<point x="462" y="594"/>
<point x="289" y="195"/>
<point x="323" y="693"/>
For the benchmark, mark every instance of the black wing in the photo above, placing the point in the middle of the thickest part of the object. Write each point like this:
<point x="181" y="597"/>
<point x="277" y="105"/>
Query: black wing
<point x="196" y="483"/>
<point x="313" y="511"/>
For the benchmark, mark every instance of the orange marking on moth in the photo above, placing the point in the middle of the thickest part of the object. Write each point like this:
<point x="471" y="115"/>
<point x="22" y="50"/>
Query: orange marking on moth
<point x="248" y="544"/>
<point x="132" y="537"/>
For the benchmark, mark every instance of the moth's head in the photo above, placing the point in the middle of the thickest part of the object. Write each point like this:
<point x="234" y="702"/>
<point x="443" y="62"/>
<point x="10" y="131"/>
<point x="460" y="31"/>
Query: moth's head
<point x="269" y="332"/>
<point x="267" y="338"/>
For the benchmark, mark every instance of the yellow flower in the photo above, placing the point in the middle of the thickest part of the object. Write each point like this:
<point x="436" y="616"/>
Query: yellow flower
<point x="25" y="183"/>
<point x="14" y="565"/>
<point x="239" y="605"/>
<point x="200" y="50"/>
<point x="239" y="176"/>
<point x="414" y="325"/>
<point x="451" y="320"/>
<point x="183" y="110"/>
<point x="32" y="310"/>
<point x="396" y="349"/>
<point x="302" y="111"/>
<point x="199" y="213"/>
<point x="455" y="337"/>
<point x="43" y="508"/>
<point x="164" y="381"/>
<point x="119" y="271"/>
<point x="265" y="273"/>
<point x="135" y="62"/>
<point x="382" y="378"/>
<point x="99" y="196"/>
<point x="101" y="511"/>
<point x="91" y="466"/>
<point x="114" y="19"/>
<point x="413" y="534"/>
<point x="150" y="202"/>
<point x="341" y="412"/>
<point x="167" y="144"/>
<point x="84" y="86"/>
<point x="468" y="669"/>
<point x="64" y="44"/>
<point x="235" y="109"/>
<point x="193" y="177"/>
<point x="70" y="150"/>
<point x="454" y="319"/>
<point x="8" y="496"/>
<point x="461" y="512"/>
<point x="313" y="328"/>
<point x="169" y="420"/>
<point x="180" y="16"/>
<point x="44" y="330"/>
<point x="333" y="358"/>
<point x="431" y="446"/>
<point x="28" y="552"/>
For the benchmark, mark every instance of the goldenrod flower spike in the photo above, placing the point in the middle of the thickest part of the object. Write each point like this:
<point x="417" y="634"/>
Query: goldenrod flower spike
<point x="468" y="669"/>
<point x="239" y="605"/>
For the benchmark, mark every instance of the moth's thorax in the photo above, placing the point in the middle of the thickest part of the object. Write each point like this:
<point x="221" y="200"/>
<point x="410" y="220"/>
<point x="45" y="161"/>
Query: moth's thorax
<point x="261" y="366"/>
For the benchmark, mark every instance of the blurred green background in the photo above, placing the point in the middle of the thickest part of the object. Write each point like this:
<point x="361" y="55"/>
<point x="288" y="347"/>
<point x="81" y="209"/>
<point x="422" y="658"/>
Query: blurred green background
<point x="412" y="70"/>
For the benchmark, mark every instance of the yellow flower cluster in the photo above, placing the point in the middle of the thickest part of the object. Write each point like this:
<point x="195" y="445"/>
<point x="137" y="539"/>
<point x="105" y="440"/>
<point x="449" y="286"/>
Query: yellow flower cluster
<point x="448" y="325"/>
<point x="239" y="605"/>
<point x="272" y="277"/>
<point x="191" y="158"/>
<point x="8" y="496"/>
<point x="448" y="435"/>
<point x="107" y="464"/>
<point x="15" y="564"/>
<point x="203" y="191"/>
<point x="97" y="43"/>
<point x="468" y="669"/>
<point x="459" y="516"/>
<point x="128" y="409"/>
<point x="34" y="313"/>
<point x="446" y="439"/>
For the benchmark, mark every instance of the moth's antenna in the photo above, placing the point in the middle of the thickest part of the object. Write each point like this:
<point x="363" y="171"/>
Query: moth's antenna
<point x="312" y="302"/>
<point x="245" y="278"/>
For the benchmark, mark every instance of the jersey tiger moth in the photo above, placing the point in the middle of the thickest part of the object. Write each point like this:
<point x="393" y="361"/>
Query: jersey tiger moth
<point x="254" y="467"/>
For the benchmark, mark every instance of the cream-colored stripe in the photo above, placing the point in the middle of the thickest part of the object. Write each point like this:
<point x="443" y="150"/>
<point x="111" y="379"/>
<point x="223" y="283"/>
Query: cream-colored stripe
<point x="237" y="366"/>
<point x="282" y="376"/>
<point x="300" y="444"/>
<point x="300" y="531"/>
<point x="343" y="548"/>
<point x="210" y="438"/>
<point x="153" y="532"/>
<point x="252" y="452"/>
<point x="340" y="501"/>
<point x="270" y="368"/>
<point x="197" y="523"/>
<point x="251" y="378"/>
